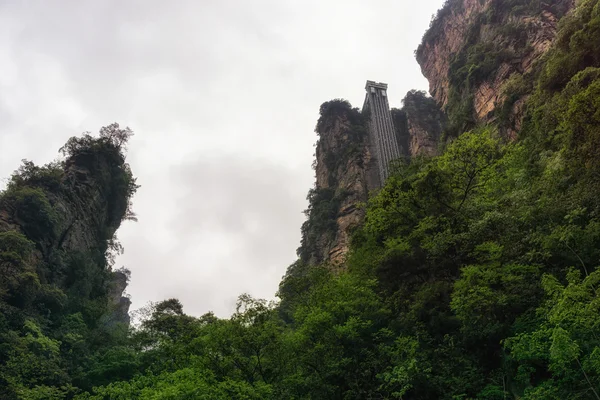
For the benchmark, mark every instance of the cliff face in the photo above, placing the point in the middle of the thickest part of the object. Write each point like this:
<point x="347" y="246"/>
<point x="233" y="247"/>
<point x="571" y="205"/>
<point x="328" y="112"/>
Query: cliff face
<point x="478" y="56"/>
<point x="473" y="47"/>
<point x="345" y="173"/>
<point x="119" y="302"/>
<point x="419" y="124"/>
<point x="69" y="212"/>
<point x="446" y="36"/>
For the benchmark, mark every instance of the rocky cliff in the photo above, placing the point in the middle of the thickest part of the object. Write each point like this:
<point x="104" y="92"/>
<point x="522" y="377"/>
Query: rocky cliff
<point x="345" y="173"/>
<point x="69" y="211"/>
<point x="479" y="56"/>
<point x="473" y="47"/>
<point x="419" y="124"/>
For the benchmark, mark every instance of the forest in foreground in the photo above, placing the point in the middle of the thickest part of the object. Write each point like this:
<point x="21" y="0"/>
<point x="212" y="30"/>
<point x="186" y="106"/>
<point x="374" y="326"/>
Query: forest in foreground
<point x="473" y="276"/>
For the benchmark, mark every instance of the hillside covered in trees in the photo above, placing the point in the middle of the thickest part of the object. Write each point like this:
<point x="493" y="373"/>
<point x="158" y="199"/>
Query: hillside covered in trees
<point x="473" y="273"/>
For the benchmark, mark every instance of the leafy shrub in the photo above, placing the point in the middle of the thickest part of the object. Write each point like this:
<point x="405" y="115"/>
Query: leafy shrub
<point x="32" y="210"/>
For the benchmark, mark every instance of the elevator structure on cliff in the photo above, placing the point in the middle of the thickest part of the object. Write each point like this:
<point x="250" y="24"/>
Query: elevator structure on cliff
<point x="381" y="128"/>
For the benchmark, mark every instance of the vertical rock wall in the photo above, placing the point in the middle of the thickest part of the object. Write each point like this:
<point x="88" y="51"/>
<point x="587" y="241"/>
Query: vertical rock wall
<point x="474" y="46"/>
<point x="87" y="198"/>
<point x="420" y="124"/>
<point x="346" y="172"/>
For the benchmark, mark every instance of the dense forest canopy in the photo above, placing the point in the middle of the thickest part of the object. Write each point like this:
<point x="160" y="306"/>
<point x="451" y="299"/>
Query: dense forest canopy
<point x="473" y="276"/>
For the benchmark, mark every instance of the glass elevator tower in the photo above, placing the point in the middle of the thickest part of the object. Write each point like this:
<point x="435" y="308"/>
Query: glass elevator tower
<point x="381" y="128"/>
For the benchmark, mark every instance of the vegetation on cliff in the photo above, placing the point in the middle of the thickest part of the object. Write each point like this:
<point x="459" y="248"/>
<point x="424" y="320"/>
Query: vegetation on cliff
<point x="474" y="276"/>
<point x="473" y="47"/>
<point x="57" y="225"/>
<point x="419" y="124"/>
<point x="342" y="132"/>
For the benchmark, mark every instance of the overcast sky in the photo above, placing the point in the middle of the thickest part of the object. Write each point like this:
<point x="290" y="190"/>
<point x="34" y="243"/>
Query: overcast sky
<point x="223" y="97"/>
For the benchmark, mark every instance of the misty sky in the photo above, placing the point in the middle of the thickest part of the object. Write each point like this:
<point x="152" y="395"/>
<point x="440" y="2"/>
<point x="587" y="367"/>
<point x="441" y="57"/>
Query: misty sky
<point x="223" y="97"/>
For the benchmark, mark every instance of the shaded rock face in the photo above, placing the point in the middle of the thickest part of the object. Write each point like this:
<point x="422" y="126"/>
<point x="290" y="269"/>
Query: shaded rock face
<point x="87" y="213"/>
<point x="349" y="181"/>
<point x="90" y="218"/>
<point x="419" y="125"/>
<point x="84" y="210"/>
<point x="435" y="54"/>
<point x="83" y="216"/>
<point x="345" y="172"/>
<point x="516" y="34"/>
<point x="119" y="301"/>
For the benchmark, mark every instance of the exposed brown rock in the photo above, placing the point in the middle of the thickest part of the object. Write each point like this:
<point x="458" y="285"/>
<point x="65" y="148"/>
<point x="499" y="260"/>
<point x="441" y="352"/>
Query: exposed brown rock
<point x="419" y="125"/>
<point x="422" y="142"/>
<point x="516" y="38"/>
<point x="435" y="56"/>
<point x="452" y="35"/>
<point x="351" y="176"/>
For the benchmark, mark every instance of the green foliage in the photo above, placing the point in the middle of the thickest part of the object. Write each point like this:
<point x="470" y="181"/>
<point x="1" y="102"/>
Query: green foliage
<point x="474" y="64"/>
<point x="54" y="294"/>
<point x="576" y="48"/>
<point x="187" y="383"/>
<point x="20" y="283"/>
<point x="330" y="111"/>
<point x="487" y="299"/>
<point x="339" y="338"/>
<point x="46" y="177"/>
<point x="561" y="355"/>
<point x="473" y="275"/>
<point x="105" y="158"/>
<point x="423" y="113"/>
<point x="31" y="209"/>
<point x="515" y="88"/>
<point x="322" y="212"/>
<point x="563" y="109"/>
